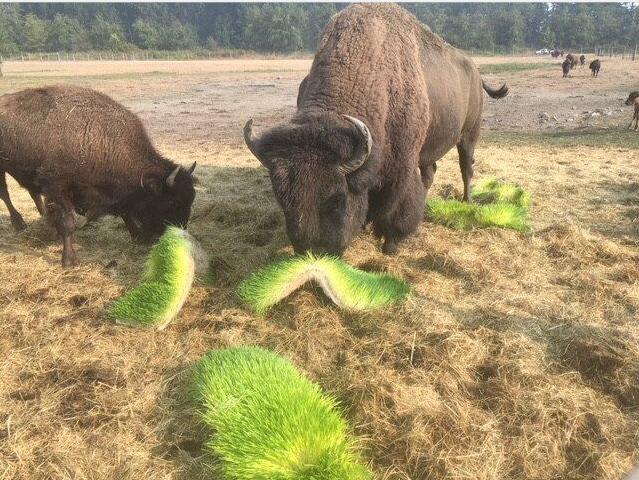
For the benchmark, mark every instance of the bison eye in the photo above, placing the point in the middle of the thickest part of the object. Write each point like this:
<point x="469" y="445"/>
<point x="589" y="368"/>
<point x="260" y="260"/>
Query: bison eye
<point x="334" y="203"/>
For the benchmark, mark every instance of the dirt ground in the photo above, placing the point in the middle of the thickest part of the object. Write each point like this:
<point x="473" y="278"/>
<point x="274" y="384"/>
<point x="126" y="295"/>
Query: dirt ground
<point x="517" y="356"/>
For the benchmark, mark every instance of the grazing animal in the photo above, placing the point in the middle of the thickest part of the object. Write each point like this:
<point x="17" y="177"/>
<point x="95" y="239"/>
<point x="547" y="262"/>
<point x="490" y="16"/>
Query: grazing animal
<point x="633" y="99"/>
<point x="384" y="100"/>
<point x="595" y="65"/>
<point x="565" y="67"/>
<point x="572" y="60"/>
<point x="88" y="154"/>
<point x="582" y="60"/>
<point x="554" y="53"/>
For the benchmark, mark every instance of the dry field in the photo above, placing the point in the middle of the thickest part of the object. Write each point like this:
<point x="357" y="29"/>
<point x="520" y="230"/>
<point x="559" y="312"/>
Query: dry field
<point x="516" y="358"/>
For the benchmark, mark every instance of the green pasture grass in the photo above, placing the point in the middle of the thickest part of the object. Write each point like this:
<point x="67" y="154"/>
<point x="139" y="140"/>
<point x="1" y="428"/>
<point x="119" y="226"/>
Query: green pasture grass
<point x="348" y="287"/>
<point x="269" y="421"/>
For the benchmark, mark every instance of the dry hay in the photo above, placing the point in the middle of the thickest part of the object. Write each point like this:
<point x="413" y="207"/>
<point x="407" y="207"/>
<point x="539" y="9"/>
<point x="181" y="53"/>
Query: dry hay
<point x="516" y="358"/>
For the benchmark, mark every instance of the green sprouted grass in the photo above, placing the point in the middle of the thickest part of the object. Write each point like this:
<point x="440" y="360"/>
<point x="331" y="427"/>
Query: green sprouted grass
<point x="495" y="204"/>
<point x="271" y="422"/>
<point x="165" y="284"/>
<point x="348" y="287"/>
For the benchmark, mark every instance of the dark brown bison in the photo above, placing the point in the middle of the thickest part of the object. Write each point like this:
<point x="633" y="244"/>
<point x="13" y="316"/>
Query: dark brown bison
<point x="88" y="154"/>
<point x="554" y="53"/>
<point x="595" y="66"/>
<point x="565" y="67"/>
<point x="572" y="59"/>
<point x="384" y="100"/>
<point x="582" y="60"/>
<point x="633" y="99"/>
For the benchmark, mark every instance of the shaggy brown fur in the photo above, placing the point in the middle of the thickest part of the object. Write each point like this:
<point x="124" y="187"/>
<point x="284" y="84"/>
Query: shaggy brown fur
<point x="582" y="60"/>
<point x="595" y="65"/>
<point x="88" y="154"/>
<point x="565" y="67"/>
<point x="572" y="59"/>
<point x="633" y="99"/>
<point x="417" y="96"/>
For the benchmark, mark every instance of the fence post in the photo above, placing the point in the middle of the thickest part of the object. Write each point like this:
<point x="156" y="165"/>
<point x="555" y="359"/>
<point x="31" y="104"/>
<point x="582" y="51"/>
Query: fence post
<point x="634" y="54"/>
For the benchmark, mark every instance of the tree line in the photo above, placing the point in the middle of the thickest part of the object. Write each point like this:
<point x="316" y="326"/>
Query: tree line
<point x="285" y="28"/>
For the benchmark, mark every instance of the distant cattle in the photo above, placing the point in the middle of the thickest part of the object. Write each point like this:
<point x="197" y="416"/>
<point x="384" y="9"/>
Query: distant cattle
<point x="582" y="60"/>
<point x="554" y="53"/>
<point x="633" y="99"/>
<point x="88" y="154"/>
<point x="565" y="67"/>
<point x="595" y="65"/>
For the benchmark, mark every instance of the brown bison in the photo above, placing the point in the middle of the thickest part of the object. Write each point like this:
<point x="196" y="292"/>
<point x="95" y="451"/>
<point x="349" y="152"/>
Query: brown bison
<point x="384" y="100"/>
<point x="582" y="60"/>
<point x="565" y="67"/>
<point x="595" y="65"/>
<point x="633" y="99"/>
<point x="88" y="154"/>
<point x="572" y="59"/>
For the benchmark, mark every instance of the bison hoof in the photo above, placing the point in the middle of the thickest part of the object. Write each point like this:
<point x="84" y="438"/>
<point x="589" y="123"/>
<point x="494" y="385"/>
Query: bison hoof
<point x="18" y="224"/>
<point x="390" y="247"/>
<point x="69" y="261"/>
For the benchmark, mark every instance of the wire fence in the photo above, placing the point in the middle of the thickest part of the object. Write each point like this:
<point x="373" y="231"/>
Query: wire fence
<point x="623" y="52"/>
<point x="128" y="56"/>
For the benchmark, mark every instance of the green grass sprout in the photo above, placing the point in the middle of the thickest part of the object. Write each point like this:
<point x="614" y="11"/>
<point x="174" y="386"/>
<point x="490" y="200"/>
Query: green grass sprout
<point x="466" y="216"/>
<point x="346" y="286"/>
<point x="493" y="190"/>
<point x="495" y="204"/>
<point x="271" y="422"/>
<point x="169" y="274"/>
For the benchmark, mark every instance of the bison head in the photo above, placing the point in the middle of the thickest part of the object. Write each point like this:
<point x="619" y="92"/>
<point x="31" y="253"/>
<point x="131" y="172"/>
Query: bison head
<point x="320" y="168"/>
<point x="165" y="200"/>
<point x="632" y="97"/>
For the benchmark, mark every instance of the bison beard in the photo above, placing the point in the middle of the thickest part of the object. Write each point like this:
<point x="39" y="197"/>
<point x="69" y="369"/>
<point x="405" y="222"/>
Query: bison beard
<point x="380" y="82"/>
<point x="88" y="154"/>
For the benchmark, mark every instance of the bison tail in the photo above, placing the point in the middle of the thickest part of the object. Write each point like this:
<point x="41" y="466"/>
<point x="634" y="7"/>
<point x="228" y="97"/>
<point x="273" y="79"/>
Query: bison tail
<point x="501" y="92"/>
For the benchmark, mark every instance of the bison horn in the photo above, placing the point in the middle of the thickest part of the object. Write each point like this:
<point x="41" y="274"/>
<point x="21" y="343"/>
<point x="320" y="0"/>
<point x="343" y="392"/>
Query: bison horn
<point x="170" y="180"/>
<point x="192" y="168"/>
<point x="253" y="143"/>
<point x="362" y="152"/>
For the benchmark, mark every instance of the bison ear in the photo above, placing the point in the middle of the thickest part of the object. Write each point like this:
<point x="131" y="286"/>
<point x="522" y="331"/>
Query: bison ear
<point x="151" y="184"/>
<point x="253" y="143"/>
<point x="362" y="149"/>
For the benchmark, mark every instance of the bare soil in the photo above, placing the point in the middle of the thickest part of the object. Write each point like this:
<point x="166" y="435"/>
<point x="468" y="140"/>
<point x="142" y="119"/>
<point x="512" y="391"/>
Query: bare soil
<point x="517" y="357"/>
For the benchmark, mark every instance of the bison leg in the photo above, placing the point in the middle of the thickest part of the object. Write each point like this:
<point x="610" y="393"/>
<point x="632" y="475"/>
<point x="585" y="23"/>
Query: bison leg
<point x="38" y="199"/>
<point x="60" y="212"/>
<point x="428" y="175"/>
<point x="16" y="219"/>
<point x="466" y="151"/>
<point x="404" y="216"/>
<point x="64" y="222"/>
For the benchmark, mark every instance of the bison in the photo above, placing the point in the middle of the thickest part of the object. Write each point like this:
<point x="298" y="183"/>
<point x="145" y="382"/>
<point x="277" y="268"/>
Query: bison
<point x="582" y="60"/>
<point x="384" y="100"/>
<point x="572" y="59"/>
<point x="565" y="67"/>
<point x="595" y="65"/>
<point x="88" y="154"/>
<point x="633" y="99"/>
